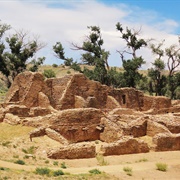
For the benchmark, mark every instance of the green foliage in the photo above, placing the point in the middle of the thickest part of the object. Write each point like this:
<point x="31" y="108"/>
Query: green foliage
<point x="63" y="165"/>
<point x="131" y="75"/>
<point x="55" y="65"/>
<point x="95" y="171"/>
<point x="6" y="143"/>
<point x="36" y="63"/>
<point x="55" y="163"/>
<point x="30" y="150"/>
<point x="20" y="51"/>
<point x="20" y="162"/>
<point x="4" y="169"/>
<point x="128" y="171"/>
<point x="161" y="167"/>
<point x="158" y="80"/>
<point x="49" y="73"/>
<point x="46" y="161"/>
<point x="58" y="173"/>
<point x="43" y="171"/>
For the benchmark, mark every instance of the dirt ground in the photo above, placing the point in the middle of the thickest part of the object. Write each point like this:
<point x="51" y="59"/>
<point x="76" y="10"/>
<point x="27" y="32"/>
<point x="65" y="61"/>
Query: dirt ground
<point x="15" y="144"/>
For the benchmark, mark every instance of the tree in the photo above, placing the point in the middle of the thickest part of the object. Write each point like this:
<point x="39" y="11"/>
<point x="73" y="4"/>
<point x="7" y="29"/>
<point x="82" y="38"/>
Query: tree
<point x="95" y="55"/>
<point x="173" y="56"/>
<point x="15" y="57"/>
<point x="156" y="76"/>
<point x="131" y="66"/>
<point x="59" y="53"/>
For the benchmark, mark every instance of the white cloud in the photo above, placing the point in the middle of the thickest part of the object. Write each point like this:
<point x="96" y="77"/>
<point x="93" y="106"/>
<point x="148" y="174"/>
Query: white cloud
<point x="67" y="22"/>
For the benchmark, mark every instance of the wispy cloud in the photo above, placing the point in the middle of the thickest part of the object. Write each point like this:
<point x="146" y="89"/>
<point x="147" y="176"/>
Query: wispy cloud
<point x="67" y="22"/>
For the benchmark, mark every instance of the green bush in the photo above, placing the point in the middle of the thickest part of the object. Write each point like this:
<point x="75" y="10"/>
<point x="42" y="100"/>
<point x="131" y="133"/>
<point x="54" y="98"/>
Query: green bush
<point x="19" y="162"/>
<point x="161" y="167"/>
<point x="30" y="150"/>
<point x="42" y="171"/>
<point x="58" y="173"/>
<point x="128" y="171"/>
<point x="49" y="73"/>
<point x="95" y="171"/>
<point x="46" y="161"/>
<point x="55" y="65"/>
<point x="55" y="163"/>
<point x="63" y="165"/>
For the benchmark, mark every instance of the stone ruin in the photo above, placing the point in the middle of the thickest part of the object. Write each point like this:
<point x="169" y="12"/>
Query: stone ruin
<point x="76" y="111"/>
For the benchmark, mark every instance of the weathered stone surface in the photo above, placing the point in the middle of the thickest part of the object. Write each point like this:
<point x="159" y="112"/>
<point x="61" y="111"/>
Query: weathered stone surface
<point x="38" y="111"/>
<point x="128" y="98"/>
<point x="18" y="110"/>
<point x="155" y="103"/>
<point x="136" y="128"/>
<point x="125" y="146"/>
<point x="111" y="130"/>
<point x="37" y="133"/>
<point x="56" y="136"/>
<point x="2" y="113"/>
<point x="154" y="128"/>
<point x="73" y="151"/>
<point x="11" y="119"/>
<point x="75" y="125"/>
<point x="167" y="142"/>
<point x="25" y="89"/>
<point x="43" y="100"/>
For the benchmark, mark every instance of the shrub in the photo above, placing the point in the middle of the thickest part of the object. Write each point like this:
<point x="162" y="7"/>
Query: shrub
<point x="42" y="171"/>
<point x="63" y="165"/>
<point x="128" y="171"/>
<point x="47" y="161"/>
<point x="6" y="143"/>
<point x="161" y="167"/>
<point x="58" y="173"/>
<point x="55" y="163"/>
<point x="55" y="65"/>
<point x="142" y="160"/>
<point x="49" y="73"/>
<point x="95" y="171"/>
<point x="4" y="169"/>
<point x="19" y="162"/>
<point x="30" y="150"/>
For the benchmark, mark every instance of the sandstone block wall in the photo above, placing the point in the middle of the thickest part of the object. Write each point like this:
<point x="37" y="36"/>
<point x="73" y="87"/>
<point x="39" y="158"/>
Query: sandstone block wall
<point x="73" y="151"/>
<point x="125" y="146"/>
<point x="167" y="142"/>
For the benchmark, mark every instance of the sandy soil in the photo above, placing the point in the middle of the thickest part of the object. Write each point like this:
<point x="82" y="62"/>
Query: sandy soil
<point x="140" y="170"/>
<point x="13" y="139"/>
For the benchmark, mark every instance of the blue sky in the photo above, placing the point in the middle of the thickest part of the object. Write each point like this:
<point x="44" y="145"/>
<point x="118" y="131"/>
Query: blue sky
<point x="67" y="21"/>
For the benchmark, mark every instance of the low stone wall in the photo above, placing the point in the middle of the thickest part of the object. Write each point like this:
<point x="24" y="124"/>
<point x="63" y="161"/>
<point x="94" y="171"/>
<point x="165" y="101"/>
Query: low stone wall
<point x="156" y="103"/>
<point x="125" y="146"/>
<point x="73" y="151"/>
<point x="167" y="142"/>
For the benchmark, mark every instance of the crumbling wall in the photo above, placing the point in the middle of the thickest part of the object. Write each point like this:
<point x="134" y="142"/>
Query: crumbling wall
<point x="156" y="103"/>
<point x="128" y="97"/>
<point x="125" y="146"/>
<point x="73" y="151"/>
<point x="167" y="142"/>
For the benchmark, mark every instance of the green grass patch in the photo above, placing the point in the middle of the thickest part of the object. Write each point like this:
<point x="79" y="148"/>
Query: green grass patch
<point x="95" y="171"/>
<point x="9" y="132"/>
<point x="161" y="167"/>
<point x="43" y="171"/>
<point x="30" y="150"/>
<point x="128" y="170"/>
<point x="21" y="162"/>
<point x="63" y="165"/>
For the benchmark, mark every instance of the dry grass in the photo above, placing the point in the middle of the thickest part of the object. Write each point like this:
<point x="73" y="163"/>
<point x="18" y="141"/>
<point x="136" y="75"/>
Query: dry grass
<point x="9" y="132"/>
